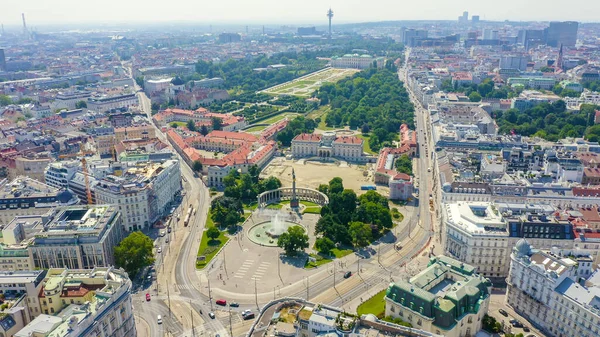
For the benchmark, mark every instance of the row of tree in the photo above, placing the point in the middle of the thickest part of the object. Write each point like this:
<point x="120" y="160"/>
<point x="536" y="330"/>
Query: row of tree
<point x="373" y="99"/>
<point x="295" y="127"/>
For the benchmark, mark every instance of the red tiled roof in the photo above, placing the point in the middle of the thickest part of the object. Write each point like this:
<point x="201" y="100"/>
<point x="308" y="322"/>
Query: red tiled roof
<point x="348" y="140"/>
<point x="586" y="192"/>
<point x="308" y="137"/>
<point x="591" y="172"/>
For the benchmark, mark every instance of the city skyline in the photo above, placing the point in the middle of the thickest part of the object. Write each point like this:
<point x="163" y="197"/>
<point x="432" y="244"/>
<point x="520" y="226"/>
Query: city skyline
<point x="276" y="12"/>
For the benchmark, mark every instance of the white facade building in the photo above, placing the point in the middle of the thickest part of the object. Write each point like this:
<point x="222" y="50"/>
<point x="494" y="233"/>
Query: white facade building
<point x="560" y="296"/>
<point x="58" y="174"/>
<point x="103" y="104"/>
<point x="482" y="234"/>
<point x="328" y="145"/>
<point x="356" y="61"/>
<point x="142" y="193"/>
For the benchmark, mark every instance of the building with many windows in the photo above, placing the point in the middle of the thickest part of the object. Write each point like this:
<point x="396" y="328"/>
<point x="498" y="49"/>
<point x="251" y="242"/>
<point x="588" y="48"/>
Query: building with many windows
<point x="356" y="61"/>
<point x="107" y="103"/>
<point x="482" y="233"/>
<point x="447" y="298"/>
<point x="92" y="302"/>
<point x="143" y="192"/>
<point x="558" y="293"/>
<point x="328" y="145"/>
<point x="26" y="196"/>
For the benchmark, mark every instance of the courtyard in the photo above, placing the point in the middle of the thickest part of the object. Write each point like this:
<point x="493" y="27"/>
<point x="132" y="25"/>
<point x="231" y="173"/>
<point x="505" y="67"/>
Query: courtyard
<point x="311" y="173"/>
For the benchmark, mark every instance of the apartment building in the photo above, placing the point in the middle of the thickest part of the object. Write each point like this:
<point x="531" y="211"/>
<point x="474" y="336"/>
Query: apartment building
<point x="143" y="192"/>
<point x="558" y="293"/>
<point x="78" y="237"/>
<point x="447" y="298"/>
<point x="482" y="234"/>
<point x="107" y="103"/>
<point x="92" y="302"/>
<point x="26" y="196"/>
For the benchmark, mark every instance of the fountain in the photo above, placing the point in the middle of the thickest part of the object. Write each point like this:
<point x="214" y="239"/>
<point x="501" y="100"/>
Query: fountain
<point x="266" y="233"/>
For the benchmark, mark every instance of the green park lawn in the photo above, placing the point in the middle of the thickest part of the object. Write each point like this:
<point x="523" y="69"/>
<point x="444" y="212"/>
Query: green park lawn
<point x="209" y="248"/>
<point x="374" y="305"/>
<point x="256" y="128"/>
<point x="366" y="147"/>
<point x="312" y="210"/>
<point x="320" y="260"/>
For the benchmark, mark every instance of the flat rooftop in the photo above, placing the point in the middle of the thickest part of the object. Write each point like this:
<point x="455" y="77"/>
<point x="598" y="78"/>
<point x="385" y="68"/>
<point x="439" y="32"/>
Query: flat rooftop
<point x="477" y="217"/>
<point x="24" y="187"/>
<point x="81" y="219"/>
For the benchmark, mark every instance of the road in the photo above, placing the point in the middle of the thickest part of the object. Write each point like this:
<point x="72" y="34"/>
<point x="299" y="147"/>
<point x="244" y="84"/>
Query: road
<point x="180" y="275"/>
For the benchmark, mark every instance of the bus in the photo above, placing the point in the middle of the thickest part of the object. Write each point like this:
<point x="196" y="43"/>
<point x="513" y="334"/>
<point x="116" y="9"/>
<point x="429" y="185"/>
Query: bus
<point x="187" y="217"/>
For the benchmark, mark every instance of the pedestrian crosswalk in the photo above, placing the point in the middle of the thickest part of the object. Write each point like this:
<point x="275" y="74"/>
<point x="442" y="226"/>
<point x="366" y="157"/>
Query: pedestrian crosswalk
<point x="261" y="271"/>
<point x="241" y="272"/>
<point x="183" y="286"/>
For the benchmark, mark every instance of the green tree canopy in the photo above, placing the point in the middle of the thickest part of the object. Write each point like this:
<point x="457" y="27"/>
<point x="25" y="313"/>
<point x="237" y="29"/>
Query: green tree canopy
<point x="404" y="164"/>
<point x="197" y="166"/>
<point x="191" y="125"/>
<point x="293" y="241"/>
<point x="360" y="233"/>
<point x="213" y="233"/>
<point x="324" y="245"/>
<point x="80" y="105"/>
<point x="134" y="253"/>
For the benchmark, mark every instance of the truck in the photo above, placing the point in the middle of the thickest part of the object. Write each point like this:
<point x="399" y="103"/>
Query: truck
<point x="368" y="187"/>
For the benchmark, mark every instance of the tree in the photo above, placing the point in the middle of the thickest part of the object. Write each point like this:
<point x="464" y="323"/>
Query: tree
<point x="546" y="69"/>
<point x="213" y="233"/>
<point x="293" y="241"/>
<point x="361" y="234"/>
<point x="197" y="166"/>
<point x="475" y="97"/>
<point x="134" y="253"/>
<point x="80" y="105"/>
<point x="336" y="185"/>
<point x="218" y="213"/>
<point x="203" y="129"/>
<point x="5" y="100"/>
<point x="324" y="245"/>
<point x="191" y="125"/>
<point x="174" y="125"/>
<point x="404" y="165"/>
<point x="217" y="123"/>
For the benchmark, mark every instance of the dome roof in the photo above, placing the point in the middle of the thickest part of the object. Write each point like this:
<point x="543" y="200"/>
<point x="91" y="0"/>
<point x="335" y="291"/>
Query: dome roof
<point x="522" y="247"/>
<point x="371" y="318"/>
<point x="64" y="196"/>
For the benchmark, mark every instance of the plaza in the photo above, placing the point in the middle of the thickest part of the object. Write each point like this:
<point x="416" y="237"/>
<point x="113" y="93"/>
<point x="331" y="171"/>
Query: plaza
<point x="312" y="173"/>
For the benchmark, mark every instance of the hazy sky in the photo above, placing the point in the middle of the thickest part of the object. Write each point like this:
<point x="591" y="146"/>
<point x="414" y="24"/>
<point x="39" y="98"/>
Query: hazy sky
<point x="40" y="12"/>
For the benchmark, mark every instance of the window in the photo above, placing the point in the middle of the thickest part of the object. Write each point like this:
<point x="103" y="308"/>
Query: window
<point x="470" y="320"/>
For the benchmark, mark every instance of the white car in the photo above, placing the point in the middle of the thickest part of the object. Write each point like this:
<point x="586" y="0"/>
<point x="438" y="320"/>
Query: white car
<point x="159" y="250"/>
<point x="159" y="319"/>
<point x="162" y="233"/>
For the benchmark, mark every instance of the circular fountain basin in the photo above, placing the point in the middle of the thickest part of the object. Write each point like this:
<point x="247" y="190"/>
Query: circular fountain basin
<point x="267" y="232"/>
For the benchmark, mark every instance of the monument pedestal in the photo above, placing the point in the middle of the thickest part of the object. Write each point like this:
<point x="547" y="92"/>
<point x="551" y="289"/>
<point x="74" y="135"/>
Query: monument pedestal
<point x="294" y="203"/>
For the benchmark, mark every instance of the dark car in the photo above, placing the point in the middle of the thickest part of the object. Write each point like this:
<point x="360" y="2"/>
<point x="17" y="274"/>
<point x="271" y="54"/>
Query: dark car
<point x="234" y="304"/>
<point x="249" y="316"/>
<point x="347" y="274"/>
<point x="503" y="312"/>
<point x="526" y="329"/>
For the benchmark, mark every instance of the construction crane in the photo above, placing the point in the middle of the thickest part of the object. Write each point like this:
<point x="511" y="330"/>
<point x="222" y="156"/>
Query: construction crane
<point x="82" y="153"/>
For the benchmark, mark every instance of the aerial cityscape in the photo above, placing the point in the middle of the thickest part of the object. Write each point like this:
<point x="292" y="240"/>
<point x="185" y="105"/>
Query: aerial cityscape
<point x="308" y="172"/>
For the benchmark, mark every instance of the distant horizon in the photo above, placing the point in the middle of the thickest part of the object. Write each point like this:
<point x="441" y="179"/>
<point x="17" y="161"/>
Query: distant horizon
<point x="44" y="13"/>
<point x="252" y="25"/>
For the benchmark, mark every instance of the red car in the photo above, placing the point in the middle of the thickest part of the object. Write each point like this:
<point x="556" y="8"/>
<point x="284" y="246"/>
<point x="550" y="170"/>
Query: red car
<point x="147" y="296"/>
<point x="221" y="302"/>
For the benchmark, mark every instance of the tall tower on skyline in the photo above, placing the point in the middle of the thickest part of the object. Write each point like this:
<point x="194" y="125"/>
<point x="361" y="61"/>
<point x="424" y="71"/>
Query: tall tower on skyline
<point x="24" y="26"/>
<point x="330" y="16"/>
